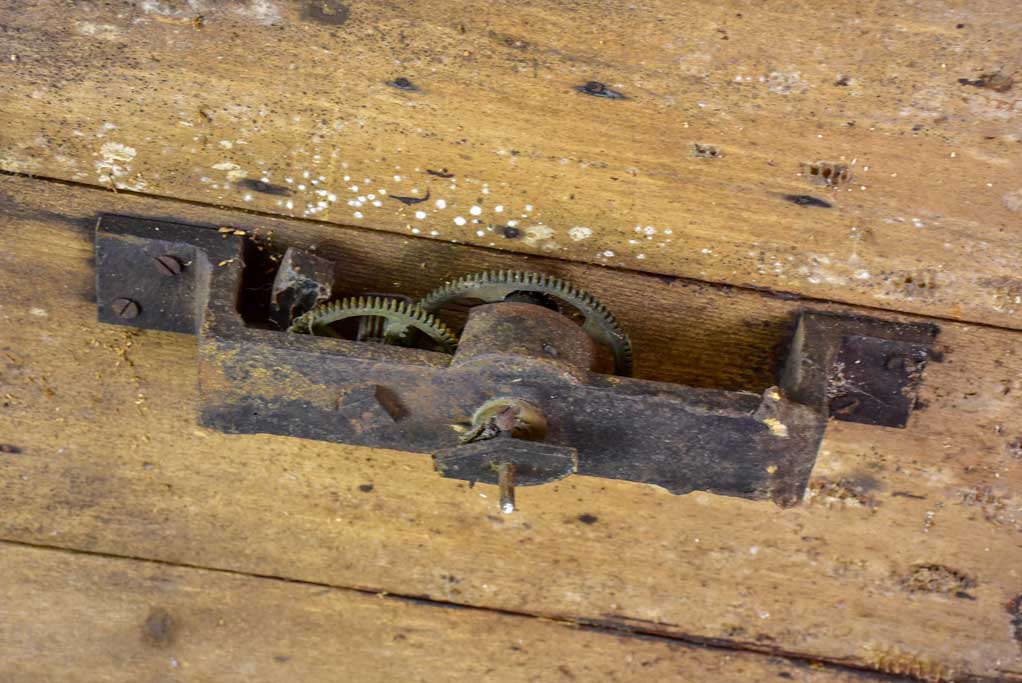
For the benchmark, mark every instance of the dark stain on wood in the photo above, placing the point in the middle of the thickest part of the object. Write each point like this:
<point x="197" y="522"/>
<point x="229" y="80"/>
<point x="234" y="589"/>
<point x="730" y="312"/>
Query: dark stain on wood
<point x="409" y="201"/>
<point x="597" y="89"/>
<point x="938" y="578"/>
<point x="327" y="12"/>
<point x="402" y="83"/>
<point x="997" y="82"/>
<point x="1015" y="610"/>
<point x="158" y="627"/>
<point x="807" y="200"/>
<point x="264" y="187"/>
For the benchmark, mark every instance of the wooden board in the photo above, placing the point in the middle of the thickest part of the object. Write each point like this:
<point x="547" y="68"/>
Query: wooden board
<point x="290" y="108"/>
<point x="904" y="558"/>
<point x="78" y="617"/>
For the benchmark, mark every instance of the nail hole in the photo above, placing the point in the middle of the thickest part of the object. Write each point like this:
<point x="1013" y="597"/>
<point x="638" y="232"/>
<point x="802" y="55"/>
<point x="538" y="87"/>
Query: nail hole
<point x="706" y="151"/>
<point x="597" y="89"/>
<point x="829" y="173"/>
<point x="807" y="200"/>
<point x="402" y="83"/>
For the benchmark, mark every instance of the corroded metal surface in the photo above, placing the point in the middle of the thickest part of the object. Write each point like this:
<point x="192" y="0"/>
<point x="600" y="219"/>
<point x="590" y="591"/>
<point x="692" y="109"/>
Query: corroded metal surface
<point x="858" y="369"/>
<point x="681" y="438"/>
<point x="303" y="280"/>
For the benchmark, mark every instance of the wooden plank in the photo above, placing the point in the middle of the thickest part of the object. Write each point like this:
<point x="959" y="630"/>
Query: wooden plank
<point x="288" y="107"/>
<point x="904" y="558"/>
<point x="128" y="620"/>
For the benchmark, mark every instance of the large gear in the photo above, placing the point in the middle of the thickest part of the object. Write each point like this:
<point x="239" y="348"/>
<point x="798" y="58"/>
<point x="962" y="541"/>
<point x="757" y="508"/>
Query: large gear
<point x="496" y="286"/>
<point x="400" y="318"/>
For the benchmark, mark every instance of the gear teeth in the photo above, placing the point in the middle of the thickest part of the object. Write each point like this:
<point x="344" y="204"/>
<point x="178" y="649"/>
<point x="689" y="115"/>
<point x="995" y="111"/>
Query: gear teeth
<point x="391" y="309"/>
<point x="595" y="311"/>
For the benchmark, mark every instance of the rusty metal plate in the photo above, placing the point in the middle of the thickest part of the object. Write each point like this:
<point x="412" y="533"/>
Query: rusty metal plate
<point x="859" y="369"/>
<point x="876" y="381"/>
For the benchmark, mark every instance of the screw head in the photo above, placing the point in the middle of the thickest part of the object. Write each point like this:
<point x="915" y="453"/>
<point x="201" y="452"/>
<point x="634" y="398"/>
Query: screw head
<point x="125" y="308"/>
<point x="168" y="265"/>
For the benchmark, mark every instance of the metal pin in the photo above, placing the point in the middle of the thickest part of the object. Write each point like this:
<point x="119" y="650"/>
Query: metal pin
<point x="506" y="480"/>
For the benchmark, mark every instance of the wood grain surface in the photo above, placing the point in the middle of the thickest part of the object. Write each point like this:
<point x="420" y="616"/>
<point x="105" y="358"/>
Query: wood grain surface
<point x="904" y="557"/>
<point x="69" y="616"/>
<point x="857" y="152"/>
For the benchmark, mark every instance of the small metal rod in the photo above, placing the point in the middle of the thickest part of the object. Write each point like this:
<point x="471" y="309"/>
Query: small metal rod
<point x="506" y="481"/>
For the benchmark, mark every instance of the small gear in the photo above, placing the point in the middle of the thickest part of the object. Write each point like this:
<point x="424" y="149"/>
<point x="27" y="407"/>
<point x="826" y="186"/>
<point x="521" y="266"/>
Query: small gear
<point x="546" y="290"/>
<point x="399" y="319"/>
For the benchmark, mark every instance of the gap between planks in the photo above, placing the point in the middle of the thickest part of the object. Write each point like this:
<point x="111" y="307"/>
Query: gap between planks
<point x="631" y="629"/>
<point x="752" y="289"/>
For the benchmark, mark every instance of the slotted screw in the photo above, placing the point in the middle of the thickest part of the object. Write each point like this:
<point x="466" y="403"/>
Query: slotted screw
<point x="168" y="265"/>
<point x="125" y="308"/>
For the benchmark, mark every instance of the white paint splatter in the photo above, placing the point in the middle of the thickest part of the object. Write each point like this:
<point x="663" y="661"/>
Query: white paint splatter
<point x="580" y="232"/>
<point x="536" y="233"/>
<point x="101" y="31"/>
<point x="234" y="172"/>
<point x="114" y="166"/>
<point x="785" y="83"/>
<point x="1013" y="200"/>
<point x="262" y="12"/>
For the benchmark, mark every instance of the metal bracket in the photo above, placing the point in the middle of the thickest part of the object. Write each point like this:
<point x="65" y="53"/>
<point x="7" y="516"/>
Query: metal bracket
<point x="859" y="369"/>
<point x="254" y="380"/>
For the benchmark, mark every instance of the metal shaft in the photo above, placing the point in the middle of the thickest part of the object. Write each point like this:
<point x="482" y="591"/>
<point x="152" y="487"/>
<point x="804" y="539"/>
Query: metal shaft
<point x="506" y="481"/>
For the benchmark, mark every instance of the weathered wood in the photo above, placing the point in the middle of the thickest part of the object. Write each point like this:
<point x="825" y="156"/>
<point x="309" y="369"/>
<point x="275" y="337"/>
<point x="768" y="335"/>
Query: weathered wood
<point x="87" y="618"/>
<point x="291" y="107"/>
<point x="904" y="558"/>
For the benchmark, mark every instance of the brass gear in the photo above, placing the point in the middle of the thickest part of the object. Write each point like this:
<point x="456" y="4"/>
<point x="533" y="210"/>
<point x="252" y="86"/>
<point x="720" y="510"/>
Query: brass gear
<point x="400" y="318"/>
<point x="496" y="286"/>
